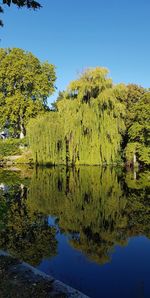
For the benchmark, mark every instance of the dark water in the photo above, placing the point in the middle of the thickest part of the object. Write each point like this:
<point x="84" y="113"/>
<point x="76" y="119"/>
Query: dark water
<point x="88" y="227"/>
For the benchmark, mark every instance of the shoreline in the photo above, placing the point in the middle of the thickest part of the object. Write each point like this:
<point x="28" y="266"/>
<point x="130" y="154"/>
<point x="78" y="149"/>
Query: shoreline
<point x="20" y="278"/>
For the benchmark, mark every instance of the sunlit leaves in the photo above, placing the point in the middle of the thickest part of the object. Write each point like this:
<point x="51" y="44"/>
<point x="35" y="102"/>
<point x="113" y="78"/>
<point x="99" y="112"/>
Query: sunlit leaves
<point x="88" y="123"/>
<point x="139" y="131"/>
<point x="25" y="85"/>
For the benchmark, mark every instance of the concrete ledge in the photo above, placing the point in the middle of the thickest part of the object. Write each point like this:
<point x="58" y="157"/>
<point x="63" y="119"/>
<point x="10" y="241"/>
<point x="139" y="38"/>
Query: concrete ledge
<point x="20" y="280"/>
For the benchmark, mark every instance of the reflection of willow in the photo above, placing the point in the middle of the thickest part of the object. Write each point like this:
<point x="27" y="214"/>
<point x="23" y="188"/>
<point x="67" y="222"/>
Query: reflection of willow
<point x="24" y="233"/>
<point x="86" y="201"/>
<point x="91" y="206"/>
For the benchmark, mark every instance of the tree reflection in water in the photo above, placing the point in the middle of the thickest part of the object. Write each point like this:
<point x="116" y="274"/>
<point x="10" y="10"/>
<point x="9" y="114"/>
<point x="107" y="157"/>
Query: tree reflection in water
<point x="97" y="208"/>
<point x="24" y="232"/>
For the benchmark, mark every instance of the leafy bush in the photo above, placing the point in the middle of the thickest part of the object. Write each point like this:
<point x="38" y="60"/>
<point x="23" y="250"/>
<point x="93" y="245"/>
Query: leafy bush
<point x="10" y="147"/>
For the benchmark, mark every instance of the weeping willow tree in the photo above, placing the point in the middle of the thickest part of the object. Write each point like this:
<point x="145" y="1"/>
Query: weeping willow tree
<point x="86" y="127"/>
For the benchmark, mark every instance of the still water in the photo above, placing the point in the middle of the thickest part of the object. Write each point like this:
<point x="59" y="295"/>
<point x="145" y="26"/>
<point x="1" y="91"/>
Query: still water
<point x="88" y="227"/>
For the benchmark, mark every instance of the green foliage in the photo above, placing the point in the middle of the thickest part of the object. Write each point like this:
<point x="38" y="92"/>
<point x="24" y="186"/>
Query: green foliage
<point x="18" y="177"/>
<point x="139" y="131"/>
<point x="25" y="85"/>
<point x="93" y="122"/>
<point x="139" y="181"/>
<point x="25" y="158"/>
<point x="9" y="147"/>
<point x="134" y="94"/>
<point x="87" y="127"/>
<point x="20" y="3"/>
<point x="90" y="84"/>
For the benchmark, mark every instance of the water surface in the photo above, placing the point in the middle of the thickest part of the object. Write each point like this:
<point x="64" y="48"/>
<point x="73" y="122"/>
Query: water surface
<point x="89" y="227"/>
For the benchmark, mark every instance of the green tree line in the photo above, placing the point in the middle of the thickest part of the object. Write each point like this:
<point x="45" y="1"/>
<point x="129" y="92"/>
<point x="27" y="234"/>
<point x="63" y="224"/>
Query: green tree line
<point x="92" y="122"/>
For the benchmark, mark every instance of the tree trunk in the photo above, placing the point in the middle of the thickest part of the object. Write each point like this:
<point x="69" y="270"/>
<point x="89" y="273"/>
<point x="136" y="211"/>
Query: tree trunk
<point x="21" y="135"/>
<point x="22" y="130"/>
<point x="134" y="159"/>
<point x="134" y="175"/>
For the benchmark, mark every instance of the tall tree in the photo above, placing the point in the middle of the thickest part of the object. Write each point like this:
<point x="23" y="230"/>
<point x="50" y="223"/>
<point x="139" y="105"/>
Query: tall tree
<point x="25" y="85"/>
<point x="138" y="146"/>
<point x="134" y="141"/>
<point x="87" y="126"/>
<point x="134" y="94"/>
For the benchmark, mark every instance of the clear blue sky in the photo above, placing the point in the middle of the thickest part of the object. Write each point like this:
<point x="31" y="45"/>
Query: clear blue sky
<point x="76" y="34"/>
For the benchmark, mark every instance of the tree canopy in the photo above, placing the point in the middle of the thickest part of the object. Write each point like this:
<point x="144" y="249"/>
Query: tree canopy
<point x="139" y="131"/>
<point x="94" y="122"/>
<point x="25" y="85"/>
<point x="134" y="94"/>
<point x="20" y="3"/>
<point x="87" y="127"/>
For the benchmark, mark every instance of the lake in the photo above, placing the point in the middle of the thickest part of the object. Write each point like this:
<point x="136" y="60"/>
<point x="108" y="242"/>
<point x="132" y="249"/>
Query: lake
<point x="88" y="227"/>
